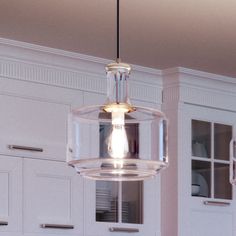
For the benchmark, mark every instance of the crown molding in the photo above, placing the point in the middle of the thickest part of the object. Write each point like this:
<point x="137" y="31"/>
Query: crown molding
<point x="182" y="85"/>
<point x="66" y="59"/>
<point x="198" y="74"/>
<point x="38" y="64"/>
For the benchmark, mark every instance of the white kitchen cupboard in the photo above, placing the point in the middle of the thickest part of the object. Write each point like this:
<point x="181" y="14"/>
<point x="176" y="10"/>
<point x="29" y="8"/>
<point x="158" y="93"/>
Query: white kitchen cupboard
<point x="116" y="221"/>
<point x="202" y="114"/>
<point x="212" y="208"/>
<point x="51" y="193"/>
<point x="32" y="128"/>
<point x="10" y="195"/>
<point x="38" y="86"/>
<point x="53" y="198"/>
<point x="33" y="119"/>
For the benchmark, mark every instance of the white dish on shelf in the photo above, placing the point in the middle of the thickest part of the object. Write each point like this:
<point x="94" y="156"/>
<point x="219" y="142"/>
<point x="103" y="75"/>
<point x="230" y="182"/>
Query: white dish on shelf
<point x="195" y="189"/>
<point x="199" y="150"/>
<point x="103" y="200"/>
<point x="198" y="179"/>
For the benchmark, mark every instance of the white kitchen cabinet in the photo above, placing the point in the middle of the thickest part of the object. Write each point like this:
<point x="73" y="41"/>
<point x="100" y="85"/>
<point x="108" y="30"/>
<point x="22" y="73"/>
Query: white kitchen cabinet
<point x="10" y="195"/>
<point x="131" y="209"/>
<point x="53" y="198"/>
<point x="200" y="201"/>
<point x="33" y="128"/>
<point x="37" y="89"/>
<point x="205" y="149"/>
<point x="51" y="193"/>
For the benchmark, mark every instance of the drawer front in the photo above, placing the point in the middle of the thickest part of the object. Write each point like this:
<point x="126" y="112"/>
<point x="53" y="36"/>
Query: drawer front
<point x="33" y="128"/>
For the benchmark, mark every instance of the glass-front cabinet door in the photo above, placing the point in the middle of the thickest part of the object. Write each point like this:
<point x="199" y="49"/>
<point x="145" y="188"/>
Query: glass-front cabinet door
<point x="207" y="198"/>
<point x="121" y="208"/>
<point x="119" y="202"/>
<point x="210" y="159"/>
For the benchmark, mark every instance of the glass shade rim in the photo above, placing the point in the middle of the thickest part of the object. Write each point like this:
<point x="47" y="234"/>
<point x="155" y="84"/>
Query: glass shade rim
<point x="112" y="174"/>
<point x="152" y="112"/>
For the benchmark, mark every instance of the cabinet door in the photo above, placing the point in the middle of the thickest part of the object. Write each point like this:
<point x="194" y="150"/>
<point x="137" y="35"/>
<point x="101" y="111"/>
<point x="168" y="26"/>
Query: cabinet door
<point x="10" y="194"/>
<point x="53" y="200"/>
<point x="32" y="128"/>
<point x="206" y="135"/>
<point x="122" y="208"/>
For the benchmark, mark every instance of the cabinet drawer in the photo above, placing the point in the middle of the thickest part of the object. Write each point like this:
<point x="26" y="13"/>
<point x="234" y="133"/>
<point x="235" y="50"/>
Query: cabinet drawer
<point x="32" y="128"/>
<point x="53" y="198"/>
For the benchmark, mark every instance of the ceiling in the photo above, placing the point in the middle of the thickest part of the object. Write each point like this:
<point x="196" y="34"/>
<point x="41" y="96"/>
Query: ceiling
<point x="198" y="34"/>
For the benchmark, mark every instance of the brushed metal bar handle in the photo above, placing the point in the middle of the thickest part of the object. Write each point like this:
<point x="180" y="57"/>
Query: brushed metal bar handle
<point x="232" y="159"/>
<point x="124" y="230"/>
<point x="56" y="226"/>
<point x="25" y="148"/>
<point x="3" y="223"/>
<point x="216" y="203"/>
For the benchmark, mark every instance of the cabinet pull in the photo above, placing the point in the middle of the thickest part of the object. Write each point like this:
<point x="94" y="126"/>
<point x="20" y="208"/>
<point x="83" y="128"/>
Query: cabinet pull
<point x="3" y="223"/>
<point x="216" y="203"/>
<point x="124" y="230"/>
<point x="56" y="226"/>
<point x="25" y="148"/>
<point x="232" y="159"/>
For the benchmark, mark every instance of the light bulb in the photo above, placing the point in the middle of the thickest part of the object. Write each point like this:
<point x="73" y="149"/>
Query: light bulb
<point x="118" y="147"/>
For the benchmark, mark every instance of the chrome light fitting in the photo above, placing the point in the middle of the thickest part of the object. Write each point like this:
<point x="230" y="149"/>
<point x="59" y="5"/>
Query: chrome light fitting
<point x="117" y="141"/>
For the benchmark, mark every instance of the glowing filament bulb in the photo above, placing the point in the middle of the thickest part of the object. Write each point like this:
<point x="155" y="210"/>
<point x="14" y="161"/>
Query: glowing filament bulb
<point x="117" y="143"/>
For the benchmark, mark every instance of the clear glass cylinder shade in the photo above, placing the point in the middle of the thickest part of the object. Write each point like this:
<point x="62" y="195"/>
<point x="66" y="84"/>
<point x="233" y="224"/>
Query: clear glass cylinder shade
<point x="134" y="151"/>
<point x="117" y="141"/>
<point x="117" y="84"/>
<point x="233" y="161"/>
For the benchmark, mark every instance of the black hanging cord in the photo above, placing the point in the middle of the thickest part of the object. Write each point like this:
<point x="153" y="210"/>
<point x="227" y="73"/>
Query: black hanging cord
<point x="118" y="30"/>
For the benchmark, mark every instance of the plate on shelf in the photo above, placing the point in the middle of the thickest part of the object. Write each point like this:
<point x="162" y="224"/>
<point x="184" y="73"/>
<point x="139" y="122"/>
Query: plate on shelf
<point x="198" y="179"/>
<point x="103" y="199"/>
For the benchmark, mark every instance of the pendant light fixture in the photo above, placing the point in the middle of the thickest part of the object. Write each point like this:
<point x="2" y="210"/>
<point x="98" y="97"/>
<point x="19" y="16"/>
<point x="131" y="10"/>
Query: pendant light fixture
<point x="117" y="141"/>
